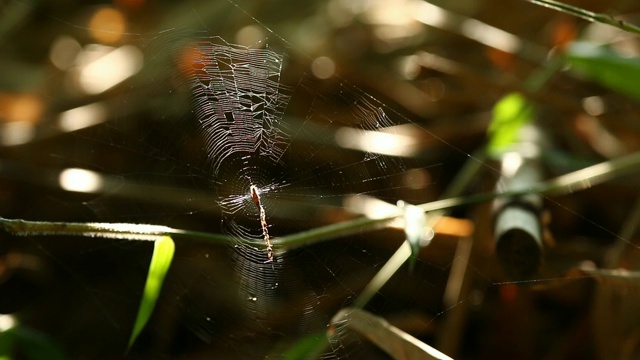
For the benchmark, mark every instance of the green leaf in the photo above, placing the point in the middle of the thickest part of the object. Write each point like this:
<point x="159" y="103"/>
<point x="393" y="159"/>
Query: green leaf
<point x="7" y="343"/>
<point x="607" y="67"/>
<point x="510" y="114"/>
<point x="163" y="251"/>
<point x="38" y="346"/>
<point x="32" y="344"/>
<point x="308" y="347"/>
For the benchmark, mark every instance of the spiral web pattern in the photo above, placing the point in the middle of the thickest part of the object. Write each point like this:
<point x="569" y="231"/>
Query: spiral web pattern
<point x="276" y="140"/>
<point x="239" y="100"/>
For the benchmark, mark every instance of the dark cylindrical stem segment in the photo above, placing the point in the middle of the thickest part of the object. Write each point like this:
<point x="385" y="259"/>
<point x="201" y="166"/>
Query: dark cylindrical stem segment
<point x="517" y="222"/>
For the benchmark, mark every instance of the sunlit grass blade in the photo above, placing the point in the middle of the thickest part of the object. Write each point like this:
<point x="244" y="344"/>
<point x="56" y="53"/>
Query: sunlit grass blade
<point x="393" y="341"/>
<point x="163" y="251"/>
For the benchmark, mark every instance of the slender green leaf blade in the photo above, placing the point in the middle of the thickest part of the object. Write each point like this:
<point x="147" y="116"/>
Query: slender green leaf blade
<point x="607" y="67"/>
<point x="163" y="251"/>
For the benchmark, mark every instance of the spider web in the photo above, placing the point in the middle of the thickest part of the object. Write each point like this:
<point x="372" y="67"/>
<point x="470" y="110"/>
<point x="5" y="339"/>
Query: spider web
<point x="261" y="121"/>
<point x="254" y="115"/>
<point x="257" y="120"/>
<point x="241" y="104"/>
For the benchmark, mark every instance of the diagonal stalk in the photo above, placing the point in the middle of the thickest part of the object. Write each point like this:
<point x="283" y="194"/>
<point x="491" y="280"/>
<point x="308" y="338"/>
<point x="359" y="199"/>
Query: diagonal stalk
<point x="565" y="184"/>
<point x="587" y="15"/>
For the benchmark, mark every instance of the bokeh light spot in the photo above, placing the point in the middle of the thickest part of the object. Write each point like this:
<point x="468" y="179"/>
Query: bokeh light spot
<point x="107" y="25"/>
<point x="323" y="67"/>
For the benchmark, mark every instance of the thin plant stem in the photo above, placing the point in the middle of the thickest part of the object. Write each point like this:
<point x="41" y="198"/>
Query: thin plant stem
<point x="455" y="188"/>
<point x="565" y="184"/>
<point x="587" y="15"/>
<point x="127" y="231"/>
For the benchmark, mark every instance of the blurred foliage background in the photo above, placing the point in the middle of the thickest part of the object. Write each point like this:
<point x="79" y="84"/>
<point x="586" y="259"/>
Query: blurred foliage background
<point x="97" y="86"/>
